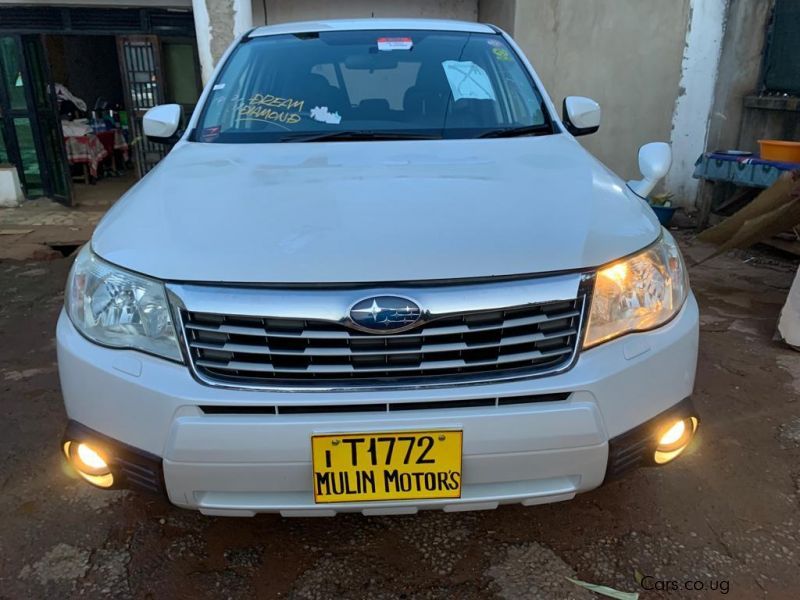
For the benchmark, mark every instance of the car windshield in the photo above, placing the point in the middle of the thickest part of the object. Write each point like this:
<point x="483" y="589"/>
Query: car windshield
<point x="371" y="84"/>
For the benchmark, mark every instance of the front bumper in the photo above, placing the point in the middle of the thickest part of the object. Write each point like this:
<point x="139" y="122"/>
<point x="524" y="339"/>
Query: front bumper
<point x="236" y="460"/>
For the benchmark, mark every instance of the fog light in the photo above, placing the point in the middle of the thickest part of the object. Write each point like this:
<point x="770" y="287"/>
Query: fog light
<point x="674" y="439"/>
<point x="91" y="458"/>
<point x="90" y="463"/>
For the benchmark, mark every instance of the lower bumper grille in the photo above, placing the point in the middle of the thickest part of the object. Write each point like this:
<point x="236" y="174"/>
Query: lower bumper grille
<point x="536" y="338"/>
<point x="132" y="468"/>
<point x="635" y="448"/>
<point x="306" y="409"/>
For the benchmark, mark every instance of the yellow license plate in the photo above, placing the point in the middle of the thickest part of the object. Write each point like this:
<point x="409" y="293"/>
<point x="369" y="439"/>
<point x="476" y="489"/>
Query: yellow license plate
<point x="404" y="465"/>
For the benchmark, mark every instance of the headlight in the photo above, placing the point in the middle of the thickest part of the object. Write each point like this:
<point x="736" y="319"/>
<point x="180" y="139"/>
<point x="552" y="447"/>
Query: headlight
<point x="638" y="293"/>
<point x="120" y="309"/>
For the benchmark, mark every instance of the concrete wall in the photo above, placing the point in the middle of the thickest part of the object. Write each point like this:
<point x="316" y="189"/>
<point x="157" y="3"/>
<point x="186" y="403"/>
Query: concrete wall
<point x="626" y="54"/>
<point x="498" y="12"/>
<point x="282" y="11"/>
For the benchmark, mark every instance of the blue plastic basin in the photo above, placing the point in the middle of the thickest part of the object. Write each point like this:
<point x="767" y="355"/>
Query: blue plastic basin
<point x="664" y="213"/>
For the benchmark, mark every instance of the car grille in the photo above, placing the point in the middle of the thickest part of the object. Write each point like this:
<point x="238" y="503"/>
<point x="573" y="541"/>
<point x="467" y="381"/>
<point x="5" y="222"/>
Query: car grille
<point x="537" y="338"/>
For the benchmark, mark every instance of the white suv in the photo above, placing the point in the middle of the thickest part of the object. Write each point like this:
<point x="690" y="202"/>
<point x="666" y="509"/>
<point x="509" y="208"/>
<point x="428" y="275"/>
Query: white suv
<point x="377" y="273"/>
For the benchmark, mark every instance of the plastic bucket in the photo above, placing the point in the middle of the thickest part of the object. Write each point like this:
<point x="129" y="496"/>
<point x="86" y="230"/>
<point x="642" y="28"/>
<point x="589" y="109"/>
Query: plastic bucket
<point x="664" y="213"/>
<point x="780" y="151"/>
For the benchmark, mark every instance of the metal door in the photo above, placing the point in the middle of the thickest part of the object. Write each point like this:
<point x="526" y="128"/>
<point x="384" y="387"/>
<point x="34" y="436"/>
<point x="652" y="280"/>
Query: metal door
<point x="144" y="88"/>
<point x="58" y="181"/>
<point x="30" y="125"/>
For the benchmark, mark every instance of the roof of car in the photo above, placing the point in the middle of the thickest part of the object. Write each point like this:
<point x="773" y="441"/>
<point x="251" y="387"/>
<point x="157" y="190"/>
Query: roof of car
<point x="370" y="24"/>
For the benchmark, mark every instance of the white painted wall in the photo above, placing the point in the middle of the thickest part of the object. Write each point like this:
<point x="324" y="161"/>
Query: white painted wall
<point x="202" y="31"/>
<point x="690" y="120"/>
<point x="10" y="189"/>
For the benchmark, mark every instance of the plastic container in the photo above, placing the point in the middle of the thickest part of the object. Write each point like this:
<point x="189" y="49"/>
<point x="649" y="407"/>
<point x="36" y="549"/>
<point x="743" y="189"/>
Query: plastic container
<point x="664" y="213"/>
<point x="780" y="151"/>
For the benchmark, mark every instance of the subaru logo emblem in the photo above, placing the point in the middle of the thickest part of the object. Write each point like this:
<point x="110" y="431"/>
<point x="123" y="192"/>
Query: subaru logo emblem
<point x="380" y="314"/>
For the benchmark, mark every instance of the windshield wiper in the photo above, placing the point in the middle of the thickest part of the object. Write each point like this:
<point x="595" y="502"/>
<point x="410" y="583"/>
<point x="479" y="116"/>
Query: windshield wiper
<point x="517" y="131"/>
<point x="357" y="136"/>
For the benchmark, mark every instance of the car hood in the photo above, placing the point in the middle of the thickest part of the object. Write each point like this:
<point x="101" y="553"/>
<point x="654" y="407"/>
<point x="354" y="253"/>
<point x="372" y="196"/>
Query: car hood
<point x="358" y="212"/>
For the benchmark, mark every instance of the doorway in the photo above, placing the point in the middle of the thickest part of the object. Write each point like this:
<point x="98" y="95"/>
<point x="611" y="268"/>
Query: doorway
<point x="90" y="100"/>
<point x="119" y="61"/>
<point x="115" y="80"/>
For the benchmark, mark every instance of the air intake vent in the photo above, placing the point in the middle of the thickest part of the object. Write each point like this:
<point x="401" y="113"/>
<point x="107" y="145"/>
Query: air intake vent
<point x="300" y="409"/>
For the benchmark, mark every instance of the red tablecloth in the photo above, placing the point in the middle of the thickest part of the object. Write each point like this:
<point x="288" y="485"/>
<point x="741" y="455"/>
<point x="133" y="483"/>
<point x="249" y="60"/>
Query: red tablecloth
<point x="85" y="149"/>
<point x="93" y="148"/>
<point x="114" y="140"/>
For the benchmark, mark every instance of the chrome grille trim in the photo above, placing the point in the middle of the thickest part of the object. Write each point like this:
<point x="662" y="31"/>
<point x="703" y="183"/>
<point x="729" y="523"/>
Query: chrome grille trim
<point x="251" y="338"/>
<point x="349" y="351"/>
<point x="349" y="368"/>
<point x="336" y="335"/>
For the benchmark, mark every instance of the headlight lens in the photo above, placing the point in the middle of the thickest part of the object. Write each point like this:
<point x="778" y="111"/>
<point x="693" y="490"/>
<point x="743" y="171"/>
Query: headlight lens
<point x="117" y="308"/>
<point x="638" y="293"/>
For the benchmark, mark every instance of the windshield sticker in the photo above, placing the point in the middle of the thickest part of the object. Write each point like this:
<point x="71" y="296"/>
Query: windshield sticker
<point x="276" y="102"/>
<point x="218" y="86"/>
<point x="261" y="107"/>
<point x="321" y="113"/>
<point x="209" y="134"/>
<point x="395" y="43"/>
<point x="501" y="54"/>
<point x="495" y="43"/>
<point x="468" y="80"/>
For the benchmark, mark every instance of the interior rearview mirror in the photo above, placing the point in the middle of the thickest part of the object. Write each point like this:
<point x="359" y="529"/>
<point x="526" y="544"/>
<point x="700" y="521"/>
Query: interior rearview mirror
<point x="161" y="123"/>
<point x="655" y="159"/>
<point x="581" y="116"/>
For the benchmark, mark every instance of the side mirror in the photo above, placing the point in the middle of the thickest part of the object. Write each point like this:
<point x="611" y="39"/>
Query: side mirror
<point x="161" y="123"/>
<point x="655" y="159"/>
<point x="581" y="115"/>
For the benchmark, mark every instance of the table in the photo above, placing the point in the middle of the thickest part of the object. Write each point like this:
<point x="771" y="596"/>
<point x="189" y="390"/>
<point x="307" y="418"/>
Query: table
<point x="745" y="171"/>
<point x="91" y="149"/>
<point x="112" y="141"/>
<point x="86" y="150"/>
<point x="748" y="170"/>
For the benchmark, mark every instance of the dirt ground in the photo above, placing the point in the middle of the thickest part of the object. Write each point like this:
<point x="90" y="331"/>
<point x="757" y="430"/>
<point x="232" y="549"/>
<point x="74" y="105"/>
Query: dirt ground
<point x="42" y="229"/>
<point x="725" y="518"/>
